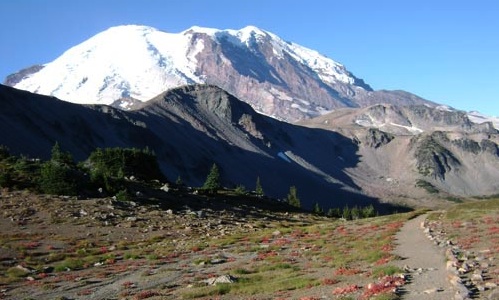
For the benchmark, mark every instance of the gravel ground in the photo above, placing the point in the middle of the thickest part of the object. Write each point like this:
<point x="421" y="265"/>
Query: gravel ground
<point x="425" y="263"/>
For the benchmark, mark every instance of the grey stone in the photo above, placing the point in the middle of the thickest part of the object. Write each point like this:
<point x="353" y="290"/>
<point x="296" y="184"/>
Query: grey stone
<point x="221" y="279"/>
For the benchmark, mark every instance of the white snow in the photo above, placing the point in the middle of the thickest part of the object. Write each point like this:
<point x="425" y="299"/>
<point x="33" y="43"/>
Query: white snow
<point x="142" y="62"/>
<point x="364" y="122"/>
<point x="411" y="129"/>
<point x="283" y="157"/>
<point x="133" y="61"/>
<point x="445" y="108"/>
<point x="479" y="118"/>
<point x="299" y="107"/>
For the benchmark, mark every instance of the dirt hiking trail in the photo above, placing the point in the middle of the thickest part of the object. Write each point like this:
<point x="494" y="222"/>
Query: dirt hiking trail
<point x="425" y="262"/>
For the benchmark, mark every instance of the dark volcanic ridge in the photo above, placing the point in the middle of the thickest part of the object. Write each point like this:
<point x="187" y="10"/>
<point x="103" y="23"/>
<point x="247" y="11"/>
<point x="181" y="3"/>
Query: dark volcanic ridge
<point x="191" y="127"/>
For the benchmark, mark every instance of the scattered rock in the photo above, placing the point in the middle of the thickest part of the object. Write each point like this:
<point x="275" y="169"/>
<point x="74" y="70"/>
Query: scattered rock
<point x="476" y="278"/>
<point x="216" y="261"/>
<point x="490" y="285"/>
<point x="27" y="270"/>
<point x="221" y="279"/>
<point x="431" y="291"/>
<point x="165" y="188"/>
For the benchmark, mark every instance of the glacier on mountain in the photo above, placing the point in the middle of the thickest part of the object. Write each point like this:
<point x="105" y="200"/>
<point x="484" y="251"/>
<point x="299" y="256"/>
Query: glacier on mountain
<point x="139" y="62"/>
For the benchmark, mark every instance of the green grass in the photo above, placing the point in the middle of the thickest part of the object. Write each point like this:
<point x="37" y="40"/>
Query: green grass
<point x="454" y="199"/>
<point x="386" y="271"/>
<point x="472" y="210"/>
<point x="430" y="188"/>
<point x="265" y="280"/>
<point x="15" y="272"/>
<point x="69" y="263"/>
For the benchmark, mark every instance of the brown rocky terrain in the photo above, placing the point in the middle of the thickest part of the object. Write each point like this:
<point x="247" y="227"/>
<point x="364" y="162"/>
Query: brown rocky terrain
<point x="178" y="245"/>
<point x="417" y="150"/>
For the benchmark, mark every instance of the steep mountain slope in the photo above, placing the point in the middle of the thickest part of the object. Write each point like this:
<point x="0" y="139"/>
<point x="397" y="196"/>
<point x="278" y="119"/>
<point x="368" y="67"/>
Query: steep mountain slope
<point x="190" y="128"/>
<point x="126" y="64"/>
<point x="418" y="151"/>
<point x="333" y="159"/>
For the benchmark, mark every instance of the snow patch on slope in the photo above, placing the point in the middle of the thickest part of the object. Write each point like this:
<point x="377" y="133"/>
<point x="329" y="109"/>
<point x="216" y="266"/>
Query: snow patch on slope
<point x="125" y="61"/>
<point x="411" y="129"/>
<point x="364" y="122"/>
<point x="479" y="118"/>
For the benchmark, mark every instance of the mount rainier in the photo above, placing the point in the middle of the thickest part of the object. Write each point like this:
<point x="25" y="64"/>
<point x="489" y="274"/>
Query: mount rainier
<point x="127" y="64"/>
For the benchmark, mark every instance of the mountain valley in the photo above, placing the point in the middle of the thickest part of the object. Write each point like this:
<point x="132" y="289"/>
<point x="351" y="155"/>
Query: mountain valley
<point x="322" y="179"/>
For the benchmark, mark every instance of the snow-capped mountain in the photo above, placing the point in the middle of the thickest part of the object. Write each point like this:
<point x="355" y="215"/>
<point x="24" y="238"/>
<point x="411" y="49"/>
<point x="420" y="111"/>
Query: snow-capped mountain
<point x="132" y="62"/>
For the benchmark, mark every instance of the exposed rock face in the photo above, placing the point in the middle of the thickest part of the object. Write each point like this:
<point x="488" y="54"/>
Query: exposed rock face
<point x="15" y="78"/>
<point x="405" y="120"/>
<point x="434" y="160"/>
<point x="417" y="150"/>
<point x="377" y="138"/>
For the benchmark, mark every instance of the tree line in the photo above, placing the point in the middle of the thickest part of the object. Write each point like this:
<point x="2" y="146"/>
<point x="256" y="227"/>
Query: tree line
<point x="105" y="170"/>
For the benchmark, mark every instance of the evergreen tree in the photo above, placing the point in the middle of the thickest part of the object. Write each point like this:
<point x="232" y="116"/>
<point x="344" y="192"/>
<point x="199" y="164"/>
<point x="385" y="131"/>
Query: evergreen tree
<point x="179" y="181"/>
<point x="346" y="214"/>
<point x="58" y="175"/>
<point x="317" y="209"/>
<point x="258" y="188"/>
<point x="355" y="213"/>
<point x="110" y="166"/>
<point x="293" y="199"/>
<point x="60" y="157"/>
<point x="4" y="153"/>
<point x="368" y="212"/>
<point x="334" y="212"/>
<point x="240" y="190"/>
<point x="212" y="183"/>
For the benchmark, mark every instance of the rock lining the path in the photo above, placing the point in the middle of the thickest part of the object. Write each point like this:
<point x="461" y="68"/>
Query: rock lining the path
<point x="464" y="272"/>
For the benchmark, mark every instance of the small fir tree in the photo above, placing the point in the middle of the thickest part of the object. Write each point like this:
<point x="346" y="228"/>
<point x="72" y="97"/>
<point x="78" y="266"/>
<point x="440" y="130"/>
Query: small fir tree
<point x="347" y="215"/>
<point x="334" y="212"/>
<point x="258" y="188"/>
<point x="57" y="175"/>
<point x="212" y="183"/>
<point x="368" y="211"/>
<point x="240" y="190"/>
<point x="355" y="213"/>
<point x="179" y="181"/>
<point x="4" y="152"/>
<point x="293" y="199"/>
<point x="317" y="209"/>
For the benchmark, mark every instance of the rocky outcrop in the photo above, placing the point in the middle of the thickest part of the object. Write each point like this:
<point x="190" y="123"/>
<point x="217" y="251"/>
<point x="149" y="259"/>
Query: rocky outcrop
<point x="376" y="138"/>
<point x="433" y="159"/>
<point x="15" y="78"/>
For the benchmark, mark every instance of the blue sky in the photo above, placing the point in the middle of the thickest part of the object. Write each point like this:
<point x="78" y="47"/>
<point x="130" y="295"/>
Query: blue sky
<point x="444" y="51"/>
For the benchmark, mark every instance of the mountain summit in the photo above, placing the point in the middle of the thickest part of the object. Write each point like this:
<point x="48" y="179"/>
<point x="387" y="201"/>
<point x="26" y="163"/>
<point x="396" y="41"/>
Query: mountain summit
<point x="126" y="64"/>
